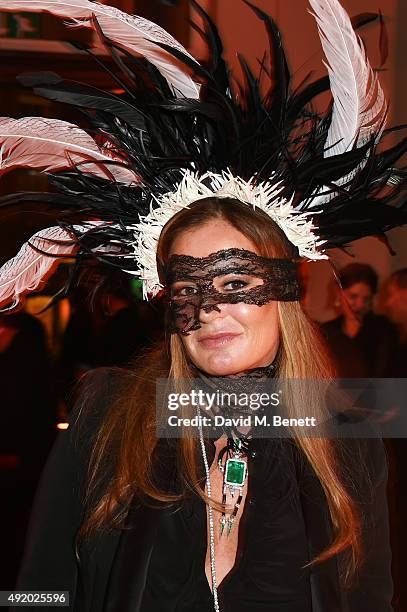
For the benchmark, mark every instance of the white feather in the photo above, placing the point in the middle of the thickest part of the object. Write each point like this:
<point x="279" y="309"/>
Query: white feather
<point x="359" y="105"/>
<point x="27" y="270"/>
<point x="52" y="145"/>
<point x="134" y="33"/>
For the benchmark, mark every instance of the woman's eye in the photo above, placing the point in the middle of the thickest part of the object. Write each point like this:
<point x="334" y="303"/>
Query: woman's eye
<point x="235" y="285"/>
<point x="184" y="291"/>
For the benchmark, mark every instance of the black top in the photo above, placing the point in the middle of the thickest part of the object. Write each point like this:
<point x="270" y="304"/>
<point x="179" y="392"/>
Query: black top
<point x="398" y="362"/>
<point x="157" y="562"/>
<point x="272" y="548"/>
<point x="369" y="353"/>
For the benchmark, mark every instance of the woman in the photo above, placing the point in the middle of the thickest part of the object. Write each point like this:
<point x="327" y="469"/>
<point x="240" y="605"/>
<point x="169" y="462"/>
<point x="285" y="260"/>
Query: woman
<point x="363" y="344"/>
<point x="210" y="192"/>
<point x="283" y="552"/>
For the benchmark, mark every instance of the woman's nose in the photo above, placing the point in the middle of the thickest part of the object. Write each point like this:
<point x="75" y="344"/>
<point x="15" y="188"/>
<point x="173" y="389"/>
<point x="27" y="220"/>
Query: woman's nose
<point x="210" y="311"/>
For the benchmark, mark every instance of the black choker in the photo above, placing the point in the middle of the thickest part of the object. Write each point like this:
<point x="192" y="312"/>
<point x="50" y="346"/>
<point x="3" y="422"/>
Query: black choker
<point x="235" y="384"/>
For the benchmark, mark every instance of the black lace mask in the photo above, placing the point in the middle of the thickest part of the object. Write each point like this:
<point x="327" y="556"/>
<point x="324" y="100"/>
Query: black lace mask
<point x="228" y="276"/>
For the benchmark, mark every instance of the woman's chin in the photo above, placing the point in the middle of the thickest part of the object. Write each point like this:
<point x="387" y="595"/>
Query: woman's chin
<point x="221" y="364"/>
<point x="223" y="371"/>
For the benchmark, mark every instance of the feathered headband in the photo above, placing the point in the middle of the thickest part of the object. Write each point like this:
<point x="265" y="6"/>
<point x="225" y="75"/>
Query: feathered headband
<point x="180" y="131"/>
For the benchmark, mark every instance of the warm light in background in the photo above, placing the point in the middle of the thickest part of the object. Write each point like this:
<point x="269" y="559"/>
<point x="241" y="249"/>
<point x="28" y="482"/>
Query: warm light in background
<point x="62" y="425"/>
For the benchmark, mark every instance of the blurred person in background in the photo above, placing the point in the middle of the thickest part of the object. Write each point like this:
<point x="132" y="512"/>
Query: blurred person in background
<point x="393" y="304"/>
<point x="27" y="427"/>
<point x="27" y="416"/>
<point x="362" y="343"/>
<point x="108" y="332"/>
<point x="131" y="326"/>
<point x="80" y="341"/>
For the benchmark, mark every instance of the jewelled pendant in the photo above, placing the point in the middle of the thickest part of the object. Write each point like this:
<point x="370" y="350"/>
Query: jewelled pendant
<point x="235" y="473"/>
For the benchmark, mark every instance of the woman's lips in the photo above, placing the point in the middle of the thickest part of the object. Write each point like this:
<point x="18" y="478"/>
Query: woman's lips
<point x="217" y="340"/>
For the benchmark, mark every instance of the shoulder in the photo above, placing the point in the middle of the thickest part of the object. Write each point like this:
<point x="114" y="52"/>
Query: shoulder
<point x="361" y="463"/>
<point x="363" y="468"/>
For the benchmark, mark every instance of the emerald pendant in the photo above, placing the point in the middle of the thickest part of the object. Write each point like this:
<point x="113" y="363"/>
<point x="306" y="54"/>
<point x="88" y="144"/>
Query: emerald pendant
<point x="234" y="476"/>
<point x="235" y="472"/>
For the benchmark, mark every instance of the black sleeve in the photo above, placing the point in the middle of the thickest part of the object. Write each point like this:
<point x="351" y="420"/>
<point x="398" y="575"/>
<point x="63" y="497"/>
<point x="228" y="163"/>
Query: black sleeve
<point x="373" y="589"/>
<point x="49" y="560"/>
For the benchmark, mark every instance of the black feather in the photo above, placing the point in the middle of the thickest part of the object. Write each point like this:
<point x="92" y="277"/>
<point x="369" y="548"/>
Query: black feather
<point x="273" y="134"/>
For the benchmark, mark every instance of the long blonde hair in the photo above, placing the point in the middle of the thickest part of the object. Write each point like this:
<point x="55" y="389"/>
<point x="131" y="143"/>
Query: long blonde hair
<point x="131" y="420"/>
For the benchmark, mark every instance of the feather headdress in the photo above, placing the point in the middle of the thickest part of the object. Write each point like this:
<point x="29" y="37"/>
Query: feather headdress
<point x="180" y="131"/>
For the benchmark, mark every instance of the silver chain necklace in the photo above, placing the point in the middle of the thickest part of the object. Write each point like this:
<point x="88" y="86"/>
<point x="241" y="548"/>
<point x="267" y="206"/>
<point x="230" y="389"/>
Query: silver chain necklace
<point x="211" y="521"/>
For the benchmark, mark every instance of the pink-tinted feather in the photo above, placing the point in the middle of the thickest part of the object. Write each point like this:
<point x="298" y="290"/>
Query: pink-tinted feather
<point x="134" y="33"/>
<point x="29" y="268"/>
<point x="52" y="145"/>
<point x="38" y="259"/>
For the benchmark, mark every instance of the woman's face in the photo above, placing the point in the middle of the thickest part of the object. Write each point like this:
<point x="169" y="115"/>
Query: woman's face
<point x="357" y="300"/>
<point x="236" y="337"/>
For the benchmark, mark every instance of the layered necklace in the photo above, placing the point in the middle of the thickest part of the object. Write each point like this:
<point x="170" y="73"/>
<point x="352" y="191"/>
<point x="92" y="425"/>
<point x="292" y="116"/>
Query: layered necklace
<point x="232" y="462"/>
